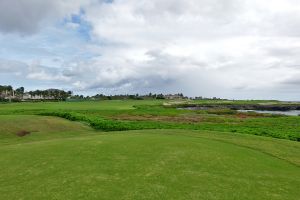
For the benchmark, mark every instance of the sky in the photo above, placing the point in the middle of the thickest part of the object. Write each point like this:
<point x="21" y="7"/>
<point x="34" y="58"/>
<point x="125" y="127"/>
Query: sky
<point x="235" y="49"/>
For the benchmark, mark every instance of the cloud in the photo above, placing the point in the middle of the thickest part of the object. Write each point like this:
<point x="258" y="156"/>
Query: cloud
<point x="27" y="16"/>
<point x="36" y="71"/>
<point x="293" y="80"/>
<point x="229" y="48"/>
<point x="32" y="71"/>
<point x="241" y="45"/>
<point x="12" y="66"/>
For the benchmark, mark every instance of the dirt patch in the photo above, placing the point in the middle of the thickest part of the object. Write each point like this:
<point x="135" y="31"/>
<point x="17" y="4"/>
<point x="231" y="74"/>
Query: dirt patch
<point x="22" y="133"/>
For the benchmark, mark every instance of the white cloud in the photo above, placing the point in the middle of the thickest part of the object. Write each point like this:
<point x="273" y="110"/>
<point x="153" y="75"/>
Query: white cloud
<point x="38" y="72"/>
<point x="231" y="41"/>
<point x="11" y="66"/>
<point x="231" y="48"/>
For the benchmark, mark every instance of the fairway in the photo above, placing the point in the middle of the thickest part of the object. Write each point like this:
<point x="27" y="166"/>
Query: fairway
<point x="81" y="105"/>
<point x="144" y="164"/>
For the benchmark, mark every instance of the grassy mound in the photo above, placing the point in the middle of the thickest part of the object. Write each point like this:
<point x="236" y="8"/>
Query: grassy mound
<point x="32" y="127"/>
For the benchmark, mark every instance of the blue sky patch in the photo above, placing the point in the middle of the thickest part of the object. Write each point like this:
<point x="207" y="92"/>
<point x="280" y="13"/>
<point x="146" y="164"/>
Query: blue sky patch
<point x="84" y="28"/>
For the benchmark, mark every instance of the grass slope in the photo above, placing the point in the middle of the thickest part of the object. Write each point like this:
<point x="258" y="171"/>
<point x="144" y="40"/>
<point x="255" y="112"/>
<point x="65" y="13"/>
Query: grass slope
<point x="40" y="128"/>
<point x="152" y="164"/>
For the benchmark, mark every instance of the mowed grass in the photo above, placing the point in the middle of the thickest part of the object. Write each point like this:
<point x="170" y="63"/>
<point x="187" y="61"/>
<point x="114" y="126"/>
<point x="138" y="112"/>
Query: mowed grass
<point x="78" y="106"/>
<point x="69" y="160"/>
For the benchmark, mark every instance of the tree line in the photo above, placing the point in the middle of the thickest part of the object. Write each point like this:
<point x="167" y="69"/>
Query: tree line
<point x="8" y="93"/>
<point x="128" y="96"/>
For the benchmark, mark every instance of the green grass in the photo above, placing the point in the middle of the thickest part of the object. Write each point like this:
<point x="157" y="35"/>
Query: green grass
<point x="143" y="164"/>
<point x="151" y="114"/>
<point x="71" y="106"/>
<point x="277" y="127"/>
<point x="40" y="128"/>
<point x="184" y="154"/>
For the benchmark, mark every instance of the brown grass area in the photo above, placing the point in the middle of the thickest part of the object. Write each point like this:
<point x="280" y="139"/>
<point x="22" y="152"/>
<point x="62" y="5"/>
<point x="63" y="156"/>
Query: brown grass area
<point x="182" y="118"/>
<point x="244" y="116"/>
<point x="195" y="118"/>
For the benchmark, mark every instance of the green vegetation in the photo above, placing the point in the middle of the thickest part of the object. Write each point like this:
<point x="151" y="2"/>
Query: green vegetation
<point x="119" y="115"/>
<point x="40" y="128"/>
<point x="161" y="164"/>
<point x="34" y="107"/>
<point x="75" y="150"/>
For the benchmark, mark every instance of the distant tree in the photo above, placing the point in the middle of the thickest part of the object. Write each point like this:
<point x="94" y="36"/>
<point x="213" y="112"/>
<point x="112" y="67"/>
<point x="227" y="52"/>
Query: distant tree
<point x="20" y="91"/>
<point x="160" y="96"/>
<point x="6" y="90"/>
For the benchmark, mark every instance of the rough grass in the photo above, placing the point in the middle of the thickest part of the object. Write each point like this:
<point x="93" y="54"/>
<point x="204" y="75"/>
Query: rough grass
<point x="68" y="160"/>
<point x="277" y="127"/>
<point x="151" y="114"/>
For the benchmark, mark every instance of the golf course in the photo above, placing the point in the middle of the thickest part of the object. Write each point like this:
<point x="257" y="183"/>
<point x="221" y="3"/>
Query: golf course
<point x="149" y="100"/>
<point x="146" y="149"/>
